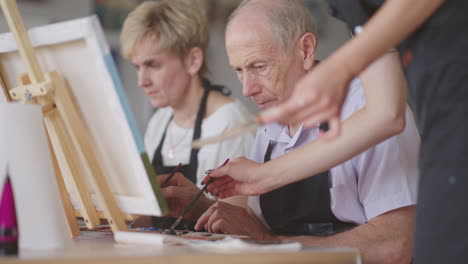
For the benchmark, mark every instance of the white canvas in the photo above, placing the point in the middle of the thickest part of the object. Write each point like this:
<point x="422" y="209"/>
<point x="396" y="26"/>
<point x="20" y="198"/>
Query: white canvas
<point x="78" y="50"/>
<point x="25" y="157"/>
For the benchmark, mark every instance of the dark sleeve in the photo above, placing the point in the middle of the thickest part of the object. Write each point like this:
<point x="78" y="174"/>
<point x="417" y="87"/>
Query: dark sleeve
<point x="354" y="12"/>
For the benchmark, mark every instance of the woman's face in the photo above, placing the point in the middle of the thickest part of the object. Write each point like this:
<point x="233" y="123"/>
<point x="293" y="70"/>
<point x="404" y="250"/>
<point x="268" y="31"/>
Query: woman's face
<point x="161" y="74"/>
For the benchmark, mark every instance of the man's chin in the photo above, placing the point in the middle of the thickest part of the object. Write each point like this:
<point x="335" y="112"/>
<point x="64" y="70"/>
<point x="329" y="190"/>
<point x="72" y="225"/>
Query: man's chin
<point x="266" y="105"/>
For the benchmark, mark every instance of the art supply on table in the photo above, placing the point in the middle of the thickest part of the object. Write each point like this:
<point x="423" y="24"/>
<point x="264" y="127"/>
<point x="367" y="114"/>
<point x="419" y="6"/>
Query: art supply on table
<point x="8" y="223"/>
<point x="164" y="184"/>
<point x="191" y="204"/>
<point x="237" y="131"/>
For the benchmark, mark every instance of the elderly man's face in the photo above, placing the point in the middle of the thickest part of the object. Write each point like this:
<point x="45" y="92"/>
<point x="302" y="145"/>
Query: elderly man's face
<point x="266" y="71"/>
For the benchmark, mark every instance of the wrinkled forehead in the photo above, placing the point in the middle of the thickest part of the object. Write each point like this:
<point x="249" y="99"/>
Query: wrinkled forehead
<point x="247" y="39"/>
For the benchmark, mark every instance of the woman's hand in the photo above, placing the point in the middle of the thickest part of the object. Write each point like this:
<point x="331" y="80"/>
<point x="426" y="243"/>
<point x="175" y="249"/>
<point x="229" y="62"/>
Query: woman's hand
<point x="239" y="177"/>
<point x="179" y="193"/>
<point x="317" y="98"/>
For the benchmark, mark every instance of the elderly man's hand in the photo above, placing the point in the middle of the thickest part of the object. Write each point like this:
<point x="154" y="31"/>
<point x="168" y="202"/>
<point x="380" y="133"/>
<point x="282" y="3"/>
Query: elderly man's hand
<point x="239" y="177"/>
<point x="179" y="193"/>
<point x="317" y="98"/>
<point x="225" y="218"/>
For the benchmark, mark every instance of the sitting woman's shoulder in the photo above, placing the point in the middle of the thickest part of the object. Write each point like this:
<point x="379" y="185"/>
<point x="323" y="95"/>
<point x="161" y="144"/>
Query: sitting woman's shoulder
<point x="216" y="101"/>
<point x="227" y="110"/>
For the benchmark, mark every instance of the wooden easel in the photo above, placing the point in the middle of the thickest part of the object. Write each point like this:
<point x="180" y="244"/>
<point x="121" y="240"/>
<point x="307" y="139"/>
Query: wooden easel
<point x="69" y="139"/>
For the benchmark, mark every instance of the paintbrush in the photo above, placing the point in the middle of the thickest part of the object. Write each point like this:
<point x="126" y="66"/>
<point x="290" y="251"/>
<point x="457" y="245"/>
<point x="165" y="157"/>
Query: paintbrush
<point x="164" y="184"/>
<point x="191" y="204"/>
<point x="237" y="131"/>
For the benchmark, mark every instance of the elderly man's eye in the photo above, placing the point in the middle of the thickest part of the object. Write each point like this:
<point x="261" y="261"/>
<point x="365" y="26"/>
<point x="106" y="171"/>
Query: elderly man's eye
<point x="239" y="73"/>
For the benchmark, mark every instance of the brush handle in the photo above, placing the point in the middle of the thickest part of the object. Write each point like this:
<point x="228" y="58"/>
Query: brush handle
<point x="192" y="203"/>
<point x="164" y="184"/>
<point x="177" y="222"/>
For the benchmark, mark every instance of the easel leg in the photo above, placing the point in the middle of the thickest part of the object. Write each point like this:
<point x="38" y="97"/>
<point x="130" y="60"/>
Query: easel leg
<point x="67" y="204"/>
<point x="82" y="142"/>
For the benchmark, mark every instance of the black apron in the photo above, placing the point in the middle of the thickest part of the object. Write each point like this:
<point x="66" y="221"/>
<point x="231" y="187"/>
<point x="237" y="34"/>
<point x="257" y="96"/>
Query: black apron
<point x="188" y="170"/>
<point x="301" y="208"/>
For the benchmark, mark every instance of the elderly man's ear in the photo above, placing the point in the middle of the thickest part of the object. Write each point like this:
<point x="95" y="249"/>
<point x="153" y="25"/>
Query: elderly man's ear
<point x="194" y="60"/>
<point x="307" y="46"/>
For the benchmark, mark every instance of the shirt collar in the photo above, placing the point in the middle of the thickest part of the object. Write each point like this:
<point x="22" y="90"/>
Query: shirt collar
<point x="280" y="133"/>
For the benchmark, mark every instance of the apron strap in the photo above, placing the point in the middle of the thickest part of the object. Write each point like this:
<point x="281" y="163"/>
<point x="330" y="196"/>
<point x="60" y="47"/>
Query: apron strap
<point x="190" y="170"/>
<point x="197" y="130"/>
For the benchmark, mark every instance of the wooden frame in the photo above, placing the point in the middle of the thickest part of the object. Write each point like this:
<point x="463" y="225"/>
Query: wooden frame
<point x="98" y="148"/>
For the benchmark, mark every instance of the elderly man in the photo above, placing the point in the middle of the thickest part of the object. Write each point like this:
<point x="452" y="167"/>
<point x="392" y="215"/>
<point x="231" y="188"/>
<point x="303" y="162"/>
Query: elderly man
<point x="366" y="202"/>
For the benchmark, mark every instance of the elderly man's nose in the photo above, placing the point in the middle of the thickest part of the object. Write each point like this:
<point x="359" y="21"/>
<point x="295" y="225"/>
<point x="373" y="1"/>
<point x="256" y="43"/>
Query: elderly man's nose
<point x="249" y="88"/>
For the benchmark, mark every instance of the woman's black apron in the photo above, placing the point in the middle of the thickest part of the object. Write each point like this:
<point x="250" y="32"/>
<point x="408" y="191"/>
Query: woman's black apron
<point x="188" y="170"/>
<point x="301" y="208"/>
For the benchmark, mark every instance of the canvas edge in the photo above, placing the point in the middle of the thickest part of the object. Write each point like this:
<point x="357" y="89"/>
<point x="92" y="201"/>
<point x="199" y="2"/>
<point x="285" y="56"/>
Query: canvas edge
<point x="89" y="29"/>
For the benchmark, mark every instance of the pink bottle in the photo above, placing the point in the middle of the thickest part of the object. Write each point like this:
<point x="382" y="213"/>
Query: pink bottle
<point x="8" y="224"/>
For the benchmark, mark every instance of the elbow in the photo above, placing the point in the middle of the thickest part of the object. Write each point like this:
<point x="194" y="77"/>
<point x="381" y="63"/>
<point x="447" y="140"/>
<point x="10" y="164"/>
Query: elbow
<point x="398" y="124"/>
<point x="396" y="250"/>
<point x="392" y="122"/>
<point x="401" y="253"/>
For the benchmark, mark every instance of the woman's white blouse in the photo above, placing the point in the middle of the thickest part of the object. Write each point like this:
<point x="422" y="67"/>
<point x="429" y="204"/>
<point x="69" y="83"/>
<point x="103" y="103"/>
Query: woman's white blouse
<point x="210" y="156"/>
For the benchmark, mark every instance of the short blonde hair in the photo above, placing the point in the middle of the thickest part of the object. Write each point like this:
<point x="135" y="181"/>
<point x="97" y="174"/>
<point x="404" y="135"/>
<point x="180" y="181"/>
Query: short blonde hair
<point x="175" y="25"/>
<point x="289" y="19"/>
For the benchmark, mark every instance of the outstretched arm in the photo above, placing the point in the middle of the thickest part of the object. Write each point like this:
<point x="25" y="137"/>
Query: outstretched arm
<point x="382" y="117"/>
<point x="319" y="96"/>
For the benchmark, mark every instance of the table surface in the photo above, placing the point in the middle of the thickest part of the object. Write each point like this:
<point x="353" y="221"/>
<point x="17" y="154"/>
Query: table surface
<point x="99" y="247"/>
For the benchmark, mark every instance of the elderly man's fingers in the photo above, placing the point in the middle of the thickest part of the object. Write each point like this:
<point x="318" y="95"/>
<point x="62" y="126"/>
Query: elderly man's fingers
<point x="214" y="217"/>
<point x="203" y="219"/>
<point x="220" y="226"/>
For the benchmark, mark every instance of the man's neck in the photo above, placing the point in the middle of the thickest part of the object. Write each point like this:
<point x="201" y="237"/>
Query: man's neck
<point x="293" y="129"/>
<point x="186" y="110"/>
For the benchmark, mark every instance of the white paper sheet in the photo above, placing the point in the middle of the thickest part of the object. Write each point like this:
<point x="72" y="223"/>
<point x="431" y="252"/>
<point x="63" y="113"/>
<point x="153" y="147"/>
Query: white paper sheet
<point x="226" y="244"/>
<point x="24" y="149"/>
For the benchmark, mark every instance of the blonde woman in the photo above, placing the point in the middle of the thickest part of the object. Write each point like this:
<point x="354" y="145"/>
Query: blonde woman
<point x="167" y="42"/>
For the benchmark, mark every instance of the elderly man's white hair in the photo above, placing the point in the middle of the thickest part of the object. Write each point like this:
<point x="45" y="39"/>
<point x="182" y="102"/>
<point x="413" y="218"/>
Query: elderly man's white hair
<point x="289" y="19"/>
